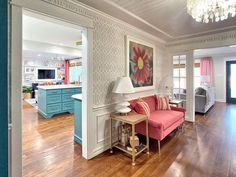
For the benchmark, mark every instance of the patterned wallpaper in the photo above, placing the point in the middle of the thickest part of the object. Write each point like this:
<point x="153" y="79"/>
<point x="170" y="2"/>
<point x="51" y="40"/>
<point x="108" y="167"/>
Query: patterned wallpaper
<point x="109" y="50"/>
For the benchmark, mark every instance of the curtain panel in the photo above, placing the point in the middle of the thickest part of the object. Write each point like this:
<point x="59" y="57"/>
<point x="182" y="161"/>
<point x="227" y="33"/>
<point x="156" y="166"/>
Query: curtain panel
<point x="207" y="75"/>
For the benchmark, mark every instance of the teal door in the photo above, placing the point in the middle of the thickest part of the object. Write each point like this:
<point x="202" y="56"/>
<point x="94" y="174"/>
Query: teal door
<point x="3" y="91"/>
<point x="231" y="82"/>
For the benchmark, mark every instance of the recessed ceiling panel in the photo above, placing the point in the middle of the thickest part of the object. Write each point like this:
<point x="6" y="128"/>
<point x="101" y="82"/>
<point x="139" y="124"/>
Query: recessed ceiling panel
<point x="167" y="19"/>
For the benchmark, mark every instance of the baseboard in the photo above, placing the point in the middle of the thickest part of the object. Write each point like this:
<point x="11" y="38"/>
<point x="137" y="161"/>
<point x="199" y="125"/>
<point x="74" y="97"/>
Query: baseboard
<point x="188" y="120"/>
<point x="221" y="100"/>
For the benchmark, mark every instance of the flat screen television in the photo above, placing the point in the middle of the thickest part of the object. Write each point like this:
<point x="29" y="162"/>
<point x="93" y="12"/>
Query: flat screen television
<point x="46" y="73"/>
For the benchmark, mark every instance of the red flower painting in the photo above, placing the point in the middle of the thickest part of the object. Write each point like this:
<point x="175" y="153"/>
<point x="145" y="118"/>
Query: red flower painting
<point x="141" y="67"/>
<point x="140" y="64"/>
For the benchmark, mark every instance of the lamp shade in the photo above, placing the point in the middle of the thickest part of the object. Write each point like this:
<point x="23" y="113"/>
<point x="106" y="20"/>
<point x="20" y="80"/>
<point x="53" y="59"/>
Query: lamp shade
<point x="123" y="85"/>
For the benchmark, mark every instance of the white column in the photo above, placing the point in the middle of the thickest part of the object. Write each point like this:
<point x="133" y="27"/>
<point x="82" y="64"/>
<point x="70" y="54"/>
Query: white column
<point x="87" y="94"/>
<point x="190" y="106"/>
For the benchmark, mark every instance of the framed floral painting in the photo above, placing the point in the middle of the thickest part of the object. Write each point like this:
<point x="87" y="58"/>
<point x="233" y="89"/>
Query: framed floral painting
<point x="140" y="62"/>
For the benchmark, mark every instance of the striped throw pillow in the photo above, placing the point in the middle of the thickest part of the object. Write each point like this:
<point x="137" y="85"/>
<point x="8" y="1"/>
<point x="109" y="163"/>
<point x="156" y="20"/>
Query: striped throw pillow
<point x="162" y="103"/>
<point x="142" y="107"/>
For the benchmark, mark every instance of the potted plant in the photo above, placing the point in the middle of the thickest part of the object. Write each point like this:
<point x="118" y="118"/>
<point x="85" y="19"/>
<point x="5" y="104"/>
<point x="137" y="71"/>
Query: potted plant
<point x="26" y="92"/>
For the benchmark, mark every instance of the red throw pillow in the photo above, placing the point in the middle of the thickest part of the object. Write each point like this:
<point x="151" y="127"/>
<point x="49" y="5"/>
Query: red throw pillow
<point x="162" y="103"/>
<point x="142" y="107"/>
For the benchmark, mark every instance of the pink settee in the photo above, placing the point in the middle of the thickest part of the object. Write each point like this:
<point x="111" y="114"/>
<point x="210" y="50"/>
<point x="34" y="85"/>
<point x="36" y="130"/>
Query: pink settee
<point x="161" y="122"/>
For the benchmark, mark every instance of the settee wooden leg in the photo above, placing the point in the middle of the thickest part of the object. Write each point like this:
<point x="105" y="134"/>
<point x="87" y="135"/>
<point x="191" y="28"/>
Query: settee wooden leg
<point x="159" y="147"/>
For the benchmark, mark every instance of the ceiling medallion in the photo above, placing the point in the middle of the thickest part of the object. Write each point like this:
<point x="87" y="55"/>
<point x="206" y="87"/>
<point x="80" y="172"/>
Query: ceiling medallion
<point x="211" y="10"/>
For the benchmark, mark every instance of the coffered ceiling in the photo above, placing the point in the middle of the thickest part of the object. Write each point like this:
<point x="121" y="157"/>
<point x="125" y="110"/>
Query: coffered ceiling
<point x="166" y="19"/>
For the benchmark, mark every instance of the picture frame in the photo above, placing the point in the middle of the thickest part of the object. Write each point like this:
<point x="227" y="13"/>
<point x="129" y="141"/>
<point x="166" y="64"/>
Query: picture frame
<point x="29" y="70"/>
<point x="140" y="62"/>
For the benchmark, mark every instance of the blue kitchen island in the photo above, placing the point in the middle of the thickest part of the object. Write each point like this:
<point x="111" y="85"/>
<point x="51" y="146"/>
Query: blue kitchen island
<point x="56" y="99"/>
<point x="78" y="118"/>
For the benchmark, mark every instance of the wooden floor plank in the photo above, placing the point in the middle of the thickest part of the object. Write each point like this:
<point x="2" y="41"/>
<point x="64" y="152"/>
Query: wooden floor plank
<point x="206" y="148"/>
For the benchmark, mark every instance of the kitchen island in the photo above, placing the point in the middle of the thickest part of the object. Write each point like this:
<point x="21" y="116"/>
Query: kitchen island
<point x="78" y="118"/>
<point x="56" y="99"/>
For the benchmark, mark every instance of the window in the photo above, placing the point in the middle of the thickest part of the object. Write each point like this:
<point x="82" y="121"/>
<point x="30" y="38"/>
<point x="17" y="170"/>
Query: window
<point x="179" y="77"/>
<point x="75" y="72"/>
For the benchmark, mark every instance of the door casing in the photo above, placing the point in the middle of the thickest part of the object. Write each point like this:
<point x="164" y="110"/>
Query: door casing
<point x="15" y="74"/>
<point x="229" y="99"/>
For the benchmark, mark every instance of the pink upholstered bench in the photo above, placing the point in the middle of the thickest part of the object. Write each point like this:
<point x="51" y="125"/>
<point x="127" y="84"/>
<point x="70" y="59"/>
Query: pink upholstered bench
<point x="161" y="122"/>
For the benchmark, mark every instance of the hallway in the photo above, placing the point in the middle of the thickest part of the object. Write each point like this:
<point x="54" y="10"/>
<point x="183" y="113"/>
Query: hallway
<point x="204" y="149"/>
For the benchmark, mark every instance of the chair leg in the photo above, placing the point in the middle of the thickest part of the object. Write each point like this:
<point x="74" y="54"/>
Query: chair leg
<point x="159" y="147"/>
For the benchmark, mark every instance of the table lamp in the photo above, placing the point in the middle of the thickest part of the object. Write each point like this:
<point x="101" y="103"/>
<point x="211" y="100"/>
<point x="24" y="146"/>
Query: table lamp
<point x="123" y="85"/>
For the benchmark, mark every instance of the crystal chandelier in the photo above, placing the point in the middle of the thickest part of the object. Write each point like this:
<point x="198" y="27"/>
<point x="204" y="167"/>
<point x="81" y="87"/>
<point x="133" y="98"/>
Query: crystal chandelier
<point x="211" y="10"/>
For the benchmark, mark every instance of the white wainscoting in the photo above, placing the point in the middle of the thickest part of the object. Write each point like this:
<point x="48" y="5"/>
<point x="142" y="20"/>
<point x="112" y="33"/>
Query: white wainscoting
<point x="101" y="127"/>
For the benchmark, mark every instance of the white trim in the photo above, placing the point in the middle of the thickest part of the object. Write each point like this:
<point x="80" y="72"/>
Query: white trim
<point x="127" y="40"/>
<point x="214" y="31"/>
<point x="153" y="37"/>
<point x="98" y="117"/>
<point x="104" y="106"/>
<point x="16" y="74"/>
<point x="221" y="100"/>
<point x="101" y="149"/>
<point x="87" y="92"/>
<point x="188" y="119"/>
<point x="57" y="21"/>
<point x="111" y="105"/>
<point x="207" y="41"/>
<point x="45" y="8"/>
<point x="223" y="55"/>
<point x="177" y="37"/>
<point x="190" y="99"/>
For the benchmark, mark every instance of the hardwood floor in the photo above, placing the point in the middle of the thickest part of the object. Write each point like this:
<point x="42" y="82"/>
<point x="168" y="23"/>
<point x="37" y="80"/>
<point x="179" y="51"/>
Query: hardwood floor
<point x="204" y="149"/>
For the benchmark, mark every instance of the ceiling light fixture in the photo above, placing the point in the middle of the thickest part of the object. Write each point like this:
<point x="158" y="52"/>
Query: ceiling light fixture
<point x="211" y="10"/>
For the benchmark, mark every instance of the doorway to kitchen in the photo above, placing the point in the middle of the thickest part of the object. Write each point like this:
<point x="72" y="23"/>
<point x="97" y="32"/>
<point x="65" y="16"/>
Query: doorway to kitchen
<point x="51" y="75"/>
<point x="52" y="85"/>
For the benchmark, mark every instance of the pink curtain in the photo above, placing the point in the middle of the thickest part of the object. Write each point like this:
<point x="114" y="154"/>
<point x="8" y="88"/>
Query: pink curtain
<point x="67" y="64"/>
<point x="206" y="66"/>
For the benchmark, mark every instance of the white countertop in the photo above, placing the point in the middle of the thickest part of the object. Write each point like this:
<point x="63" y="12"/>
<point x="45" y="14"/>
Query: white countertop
<point x="46" y="87"/>
<point x="77" y="96"/>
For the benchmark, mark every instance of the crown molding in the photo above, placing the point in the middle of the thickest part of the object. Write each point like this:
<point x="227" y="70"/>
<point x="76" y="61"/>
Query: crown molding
<point x="171" y="37"/>
<point x="183" y="42"/>
<point x="207" y="41"/>
<point x="164" y="33"/>
<point x="218" y="55"/>
<point x="83" y="9"/>
<point x="208" y="32"/>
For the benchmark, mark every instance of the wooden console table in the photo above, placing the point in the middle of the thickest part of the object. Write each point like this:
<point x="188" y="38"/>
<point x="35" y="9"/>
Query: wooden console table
<point x="132" y="119"/>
